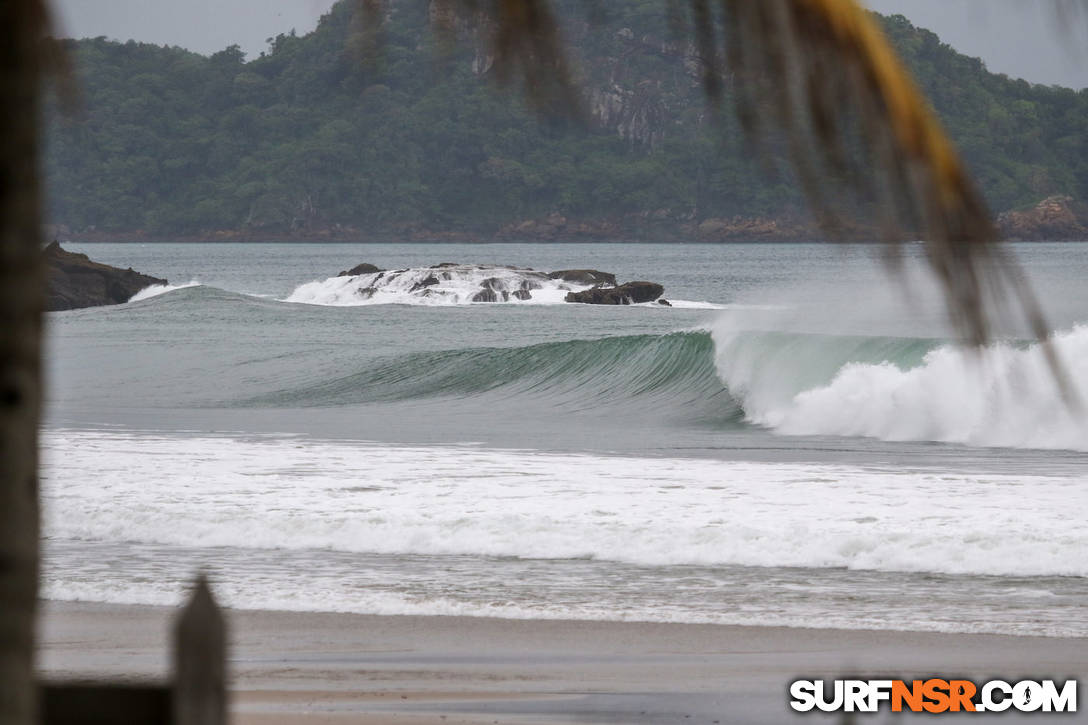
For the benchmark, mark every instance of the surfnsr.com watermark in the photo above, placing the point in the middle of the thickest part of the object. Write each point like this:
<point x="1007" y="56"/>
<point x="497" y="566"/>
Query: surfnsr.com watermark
<point x="933" y="696"/>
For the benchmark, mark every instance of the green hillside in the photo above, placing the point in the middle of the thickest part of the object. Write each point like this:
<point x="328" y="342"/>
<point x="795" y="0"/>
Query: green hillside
<point x="313" y="136"/>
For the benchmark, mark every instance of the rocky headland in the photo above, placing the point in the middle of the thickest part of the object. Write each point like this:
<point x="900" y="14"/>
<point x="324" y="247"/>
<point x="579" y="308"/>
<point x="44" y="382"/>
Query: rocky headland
<point x="75" y="281"/>
<point x="1054" y="219"/>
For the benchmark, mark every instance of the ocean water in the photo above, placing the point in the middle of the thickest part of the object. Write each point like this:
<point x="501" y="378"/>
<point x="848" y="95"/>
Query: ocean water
<point x="797" y="440"/>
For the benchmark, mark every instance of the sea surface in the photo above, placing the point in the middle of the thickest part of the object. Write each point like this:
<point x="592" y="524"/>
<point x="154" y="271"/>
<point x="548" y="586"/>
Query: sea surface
<point x="798" y="440"/>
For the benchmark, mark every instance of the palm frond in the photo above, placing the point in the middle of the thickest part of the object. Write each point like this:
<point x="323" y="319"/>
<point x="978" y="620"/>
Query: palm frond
<point x="858" y="132"/>
<point x="823" y="73"/>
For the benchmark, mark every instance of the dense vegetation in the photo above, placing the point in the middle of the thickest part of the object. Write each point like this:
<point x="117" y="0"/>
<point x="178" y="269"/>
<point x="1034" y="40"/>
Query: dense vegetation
<point x="312" y="134"/>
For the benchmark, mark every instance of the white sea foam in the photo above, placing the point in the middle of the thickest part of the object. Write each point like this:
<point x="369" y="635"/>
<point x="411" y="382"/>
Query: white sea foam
<point x="160" y="289"/>
<point x="1005" y="396"/>
<point x="451" y="285"/>
<point x="692" y="305"/>
<point x="284" y="493"/>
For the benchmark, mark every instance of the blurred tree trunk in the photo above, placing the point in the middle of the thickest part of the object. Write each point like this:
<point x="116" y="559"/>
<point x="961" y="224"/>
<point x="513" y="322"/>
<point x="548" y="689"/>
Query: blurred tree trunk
<point x="21" y="292"/>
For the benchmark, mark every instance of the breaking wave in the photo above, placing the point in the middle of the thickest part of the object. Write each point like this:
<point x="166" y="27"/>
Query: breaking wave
<point x="910" y="390"/>
<point x="883" y="387"/>
<point x="892" y="388"/>
<point x="667" y="372"/>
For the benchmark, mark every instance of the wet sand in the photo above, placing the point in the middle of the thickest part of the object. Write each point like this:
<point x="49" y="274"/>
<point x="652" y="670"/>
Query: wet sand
<point x="344" y="669"/>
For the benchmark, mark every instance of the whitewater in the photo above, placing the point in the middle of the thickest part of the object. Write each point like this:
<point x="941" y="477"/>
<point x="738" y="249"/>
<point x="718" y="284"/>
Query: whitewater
<point x="770" y="452"/>
<point x="290" y="494"/>
<point x="449" y="284"/>
<point x="1003" y="396"/>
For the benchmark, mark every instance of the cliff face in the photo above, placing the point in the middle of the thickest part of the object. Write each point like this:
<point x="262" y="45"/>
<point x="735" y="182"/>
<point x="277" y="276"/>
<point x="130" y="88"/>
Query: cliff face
<point x="640" y="101"/>
<point x="635" y="85"/>
<point x="1055" y="219"/>
<point x="75" y="281"/>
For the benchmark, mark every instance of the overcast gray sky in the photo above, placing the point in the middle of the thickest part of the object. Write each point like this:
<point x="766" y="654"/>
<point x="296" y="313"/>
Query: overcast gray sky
<point x="1020" y="38"/>
<point x="1017" y="37"/>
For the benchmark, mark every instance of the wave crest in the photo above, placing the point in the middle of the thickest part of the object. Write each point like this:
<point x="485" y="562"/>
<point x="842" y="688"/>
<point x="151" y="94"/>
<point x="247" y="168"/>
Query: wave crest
<point x="908" y="390"/>
<point x="668" y="372"/>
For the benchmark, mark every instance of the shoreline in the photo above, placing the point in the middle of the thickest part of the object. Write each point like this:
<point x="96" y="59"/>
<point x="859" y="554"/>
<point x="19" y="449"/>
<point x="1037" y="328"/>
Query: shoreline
<point x="289" y="667"/>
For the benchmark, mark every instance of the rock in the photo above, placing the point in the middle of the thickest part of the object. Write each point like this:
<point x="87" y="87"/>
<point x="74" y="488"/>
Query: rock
<point x="363" y="268"/>
<point x="584" y="276"/>
<point x="429" y="282"/>
<point x="488" y="295"/>
<point x="664" y="302"/>
<point x="493" y="290"/>
<point x="76" y="282"/>
<point x="713" y="227"/>
<point x="626" y="294"/>
<point x="506" y="283"/>
<point x="1054" y="219"/>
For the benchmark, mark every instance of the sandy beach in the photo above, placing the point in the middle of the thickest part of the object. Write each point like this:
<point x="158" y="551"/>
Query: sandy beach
<point x="342" y="668"/>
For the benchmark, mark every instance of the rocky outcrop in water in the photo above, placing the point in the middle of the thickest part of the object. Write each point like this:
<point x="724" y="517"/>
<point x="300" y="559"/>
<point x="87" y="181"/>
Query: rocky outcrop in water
<point x="75" y="281"/>
<point x="1054" y="219"/>
<point x="584" y="276"/>
<point x="496" y="289"/>
<point x="358" y="269"/>
<point x="453" y="283"/>
<point x="631" y="293"/>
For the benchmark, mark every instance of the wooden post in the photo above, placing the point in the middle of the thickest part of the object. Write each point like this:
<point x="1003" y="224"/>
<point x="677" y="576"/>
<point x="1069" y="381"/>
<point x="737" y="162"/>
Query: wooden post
<point x="22" y="26"/>
<point x="105" y="703"/>
<point x="200" y="648"/>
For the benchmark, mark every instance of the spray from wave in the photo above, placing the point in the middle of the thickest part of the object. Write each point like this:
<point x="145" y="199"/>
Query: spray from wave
<point x="909" y="389"/>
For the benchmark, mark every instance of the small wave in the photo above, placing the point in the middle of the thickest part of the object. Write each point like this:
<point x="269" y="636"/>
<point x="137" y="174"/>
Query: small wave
<point x="240" y="590"/>
<point x="904" y="390"/>
<point x="161" y="289"/>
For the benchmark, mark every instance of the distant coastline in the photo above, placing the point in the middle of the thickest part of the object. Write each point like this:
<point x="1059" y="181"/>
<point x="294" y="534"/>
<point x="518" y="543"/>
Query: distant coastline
<point x="302" y="144"/>
<point x="1054" y="219"/>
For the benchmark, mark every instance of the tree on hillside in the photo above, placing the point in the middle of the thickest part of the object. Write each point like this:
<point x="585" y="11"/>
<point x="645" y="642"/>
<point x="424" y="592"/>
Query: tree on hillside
<point x="308" y="137"/>
<point x="819" y="72"/>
